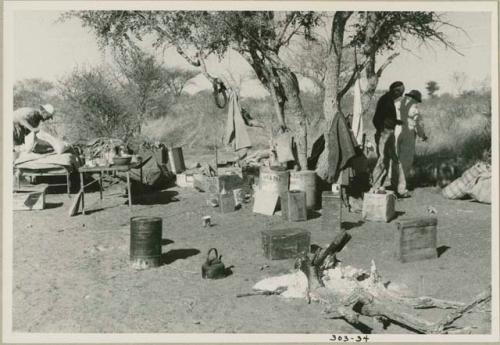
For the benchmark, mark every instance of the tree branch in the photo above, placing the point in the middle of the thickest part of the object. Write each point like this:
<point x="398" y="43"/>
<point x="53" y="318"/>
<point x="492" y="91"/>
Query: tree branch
<point x="387" y="63"/>
<point x="280" y="41"/>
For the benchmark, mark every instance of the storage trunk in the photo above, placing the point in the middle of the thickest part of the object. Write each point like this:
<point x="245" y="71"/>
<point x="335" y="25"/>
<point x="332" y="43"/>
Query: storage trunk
<point x="416" y="239"/>
<point x="281" y="244"/>
<point x="293" y="206"/>
<point x="29" y="198"/>
<point x="379" y="207"/>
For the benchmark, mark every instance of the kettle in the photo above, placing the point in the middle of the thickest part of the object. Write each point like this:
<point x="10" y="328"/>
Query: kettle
<point x="213" y="268"/>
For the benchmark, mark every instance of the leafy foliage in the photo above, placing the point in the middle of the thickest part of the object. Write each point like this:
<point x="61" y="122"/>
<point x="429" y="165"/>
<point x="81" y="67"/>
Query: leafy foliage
<point x="94" y="106"/>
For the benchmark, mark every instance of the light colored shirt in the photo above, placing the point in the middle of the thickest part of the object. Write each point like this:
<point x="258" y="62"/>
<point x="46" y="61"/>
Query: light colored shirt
<point x="28" y="117"/>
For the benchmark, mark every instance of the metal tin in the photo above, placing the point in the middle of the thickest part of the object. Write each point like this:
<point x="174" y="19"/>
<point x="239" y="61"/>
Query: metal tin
<point x="293" y="206"/>
<point x="176" y="159"/>
<point x="305" y="181"/>
<point x="145" y="242"/>
<point x="331" y="211"/>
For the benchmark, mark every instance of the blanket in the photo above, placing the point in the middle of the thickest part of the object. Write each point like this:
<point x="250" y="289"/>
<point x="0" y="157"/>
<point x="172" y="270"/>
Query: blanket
<point x="38" y="161"/>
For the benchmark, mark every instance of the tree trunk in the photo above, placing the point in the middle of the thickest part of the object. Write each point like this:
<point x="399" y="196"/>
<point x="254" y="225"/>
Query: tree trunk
<point x="331" y="103"/>
<point x="295" y="115"/>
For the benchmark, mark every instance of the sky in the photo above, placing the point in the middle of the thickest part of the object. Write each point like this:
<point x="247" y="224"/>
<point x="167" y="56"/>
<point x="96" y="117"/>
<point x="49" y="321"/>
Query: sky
<point x="46" y="49"/>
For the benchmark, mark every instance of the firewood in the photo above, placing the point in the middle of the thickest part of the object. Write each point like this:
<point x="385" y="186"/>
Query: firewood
<point x="484" y="296"/>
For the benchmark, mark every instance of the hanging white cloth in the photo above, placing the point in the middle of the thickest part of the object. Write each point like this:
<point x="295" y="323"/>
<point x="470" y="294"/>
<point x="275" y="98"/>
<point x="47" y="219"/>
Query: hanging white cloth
<point x="357" y="110"/>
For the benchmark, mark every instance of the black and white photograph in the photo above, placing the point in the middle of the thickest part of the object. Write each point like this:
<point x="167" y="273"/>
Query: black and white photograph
<point x="236" y="171"/>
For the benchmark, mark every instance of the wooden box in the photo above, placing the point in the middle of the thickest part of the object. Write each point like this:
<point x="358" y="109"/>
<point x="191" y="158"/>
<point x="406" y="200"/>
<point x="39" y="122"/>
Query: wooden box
<point x="214" y="184"/>
<point x="293" y="206"/>
<point x="379" y="207"/>
<point x="281" y="244"/>
<point x="226" y="202"/>
<point x="416" y="239"/>
<point x="29" y="198"/>
<point x="184" y="180"/>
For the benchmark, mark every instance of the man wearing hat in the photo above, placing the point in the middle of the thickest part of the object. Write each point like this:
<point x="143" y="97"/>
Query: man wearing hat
<point x="28" y="120"/>
<point x="385" y="121"/>
<point x="411" y="127"/>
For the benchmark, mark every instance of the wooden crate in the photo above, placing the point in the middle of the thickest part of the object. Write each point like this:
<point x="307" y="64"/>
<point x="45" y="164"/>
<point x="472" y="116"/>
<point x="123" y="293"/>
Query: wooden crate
<point x="29" y="198"/>
<point x="379" y="207"/>
<point x="281" y="244"/>
<point x="215" y="184"/>
<point x="416" y="239"/>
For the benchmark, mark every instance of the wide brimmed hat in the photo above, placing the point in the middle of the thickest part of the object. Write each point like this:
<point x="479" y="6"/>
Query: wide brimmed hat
<point x="48" y="108"/>
<point x="416" y="95"/>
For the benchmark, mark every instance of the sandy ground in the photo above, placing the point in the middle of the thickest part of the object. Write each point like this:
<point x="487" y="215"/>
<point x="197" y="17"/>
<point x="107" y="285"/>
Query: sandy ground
<point x="72" y="274"/>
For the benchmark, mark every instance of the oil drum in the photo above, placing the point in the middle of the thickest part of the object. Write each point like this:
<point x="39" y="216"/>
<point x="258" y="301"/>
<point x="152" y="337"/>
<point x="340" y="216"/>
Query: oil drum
<point x="145" y="242"/>
<point x="274" y="180"/>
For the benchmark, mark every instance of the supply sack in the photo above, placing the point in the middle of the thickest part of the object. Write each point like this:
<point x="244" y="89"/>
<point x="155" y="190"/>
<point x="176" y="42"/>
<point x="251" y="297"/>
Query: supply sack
<point x="480" y="189"/>
<point x="458" y="189"/>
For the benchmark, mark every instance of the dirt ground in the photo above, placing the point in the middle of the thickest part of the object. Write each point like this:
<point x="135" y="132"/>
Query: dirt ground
<point x="72" y="274"/>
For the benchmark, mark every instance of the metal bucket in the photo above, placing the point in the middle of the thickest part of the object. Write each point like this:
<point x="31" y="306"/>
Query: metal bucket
<point x="273" y="180"/>
<point x="306" y="182"/>
<point x="145" y="242"/>
<point x="176" y="159"/>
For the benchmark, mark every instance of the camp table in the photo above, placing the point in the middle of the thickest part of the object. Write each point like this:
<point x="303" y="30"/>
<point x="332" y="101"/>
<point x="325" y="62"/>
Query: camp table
<point x="106" y="169"/>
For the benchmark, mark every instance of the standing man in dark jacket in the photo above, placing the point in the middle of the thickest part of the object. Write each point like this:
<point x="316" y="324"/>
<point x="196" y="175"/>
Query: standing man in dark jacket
<point x="385" y="120"/>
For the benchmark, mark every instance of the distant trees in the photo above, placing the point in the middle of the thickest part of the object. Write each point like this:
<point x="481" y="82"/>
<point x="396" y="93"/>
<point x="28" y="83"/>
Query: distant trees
<point x="432" y="87"/>
<point x="458" y="80"/>
<point x="112" y="101"/>
<point x="32" y="92"/>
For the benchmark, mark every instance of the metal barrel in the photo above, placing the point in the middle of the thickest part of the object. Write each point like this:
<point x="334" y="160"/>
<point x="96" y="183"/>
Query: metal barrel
<point x="176" y="159"/>
<point x="305" y="181"/>
<point x="273" y="180"/>
<point x="332" y="211"/>
<point x="145" y="242"/>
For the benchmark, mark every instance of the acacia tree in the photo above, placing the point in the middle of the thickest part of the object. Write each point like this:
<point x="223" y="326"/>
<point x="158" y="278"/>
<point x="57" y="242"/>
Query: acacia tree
<point x="370" y="34"/>
<point x="431" y="88"/>
<point x="257" y="36"/>
<point x="150" y="87"/>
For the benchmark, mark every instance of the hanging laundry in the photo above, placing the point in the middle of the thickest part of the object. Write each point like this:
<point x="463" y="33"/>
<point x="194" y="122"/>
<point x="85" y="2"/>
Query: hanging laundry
<point x="236" y="131"/>
<point x="357" y="111"/>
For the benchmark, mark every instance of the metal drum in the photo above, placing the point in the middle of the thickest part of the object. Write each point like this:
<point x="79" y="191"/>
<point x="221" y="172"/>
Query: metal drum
<point x="305" y="181"/>
<point x="274" y="180"/>
<point x="176" y="160"/>
<point x="145" y="242"/>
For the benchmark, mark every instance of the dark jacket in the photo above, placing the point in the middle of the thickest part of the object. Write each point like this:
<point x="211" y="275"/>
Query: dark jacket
<point x="385" y="113"/>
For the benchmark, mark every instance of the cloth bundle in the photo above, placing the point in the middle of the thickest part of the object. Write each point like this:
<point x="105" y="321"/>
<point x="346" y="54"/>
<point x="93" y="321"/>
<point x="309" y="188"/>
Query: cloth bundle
<point x="474" y="182"/>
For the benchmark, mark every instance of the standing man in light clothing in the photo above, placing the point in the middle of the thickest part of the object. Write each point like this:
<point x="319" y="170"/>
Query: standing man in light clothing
<point x="406" y="134"/>
<point x="28" y="120"/>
